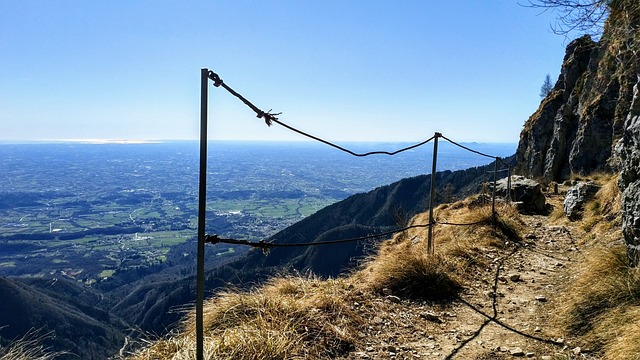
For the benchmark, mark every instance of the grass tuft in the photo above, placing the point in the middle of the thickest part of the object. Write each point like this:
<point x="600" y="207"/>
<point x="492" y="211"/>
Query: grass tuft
<point x="29" y="347"/>
<point x="406" y="268"/>
<point x="597" y="304"/>
<point x="410" y="272"/>
<point x="289" y="317"/>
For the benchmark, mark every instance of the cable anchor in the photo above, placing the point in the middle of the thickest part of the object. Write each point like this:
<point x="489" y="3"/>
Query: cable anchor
<point x="215" y="78"/>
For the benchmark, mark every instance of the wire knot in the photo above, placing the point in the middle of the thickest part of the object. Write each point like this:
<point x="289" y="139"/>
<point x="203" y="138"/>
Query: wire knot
<point x="211" y="239"/>
<point x="266" y="247"/>
<point x="268" y="116"/>
<point x="215" y="78"/>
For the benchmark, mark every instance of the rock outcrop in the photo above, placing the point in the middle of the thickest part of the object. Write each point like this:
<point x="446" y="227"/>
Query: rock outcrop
<point x="576" y="197"/>
<point x="577" y="125"/>
<point x="525" y="191"/>
<point x="591" y="119"/>
<point x="629" y="183"/>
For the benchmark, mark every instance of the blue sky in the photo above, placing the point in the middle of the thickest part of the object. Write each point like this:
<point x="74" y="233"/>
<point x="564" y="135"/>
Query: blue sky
<point x="344" y="70"/>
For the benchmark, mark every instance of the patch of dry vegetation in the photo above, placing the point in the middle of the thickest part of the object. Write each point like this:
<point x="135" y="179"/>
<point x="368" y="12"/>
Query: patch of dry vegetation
<point x="406" y="269"/>
<point x="303" y="317"/>
<point x="291" y="317"/>
<point x="602" y="215"/>
<point x="29" y="347"/>
<point x="601" y="306"/>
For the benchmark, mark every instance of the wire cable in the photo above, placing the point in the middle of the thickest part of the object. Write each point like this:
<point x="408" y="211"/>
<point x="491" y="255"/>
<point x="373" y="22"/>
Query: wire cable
<point x="214" y="239"/>
<point x="270" y="118"/>
<point x="485" y="220"/>
<point x="469" y="149"/>
<point x="347" y="150"/>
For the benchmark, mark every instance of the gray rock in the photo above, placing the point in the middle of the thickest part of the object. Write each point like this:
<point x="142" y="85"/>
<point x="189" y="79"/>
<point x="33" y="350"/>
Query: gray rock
<point x="629" y="182"/>
<point x="431" y="317"/>
<point x="526" y="191"/>
<point x="576" y="197"/>
<point x="576" y="127"/>
<point x="541" y="298"/>
<point x="516" y="352"/>
<point x="394" y="299"/>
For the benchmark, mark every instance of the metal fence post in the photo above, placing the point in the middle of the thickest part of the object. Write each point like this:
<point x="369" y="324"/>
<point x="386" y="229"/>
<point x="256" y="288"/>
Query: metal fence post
<point x="509" y="184"/>
<point x="202" y="211"/>
<point x="495" y="185"/>
<point x="430" y="249"/>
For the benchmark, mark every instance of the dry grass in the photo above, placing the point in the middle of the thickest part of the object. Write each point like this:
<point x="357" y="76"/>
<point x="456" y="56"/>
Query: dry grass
<point x="29" y="347"/>
<point x="601" y="221"/>
<point x="297" y="317"/>
<point x="288" y="318"/>
<point x="407" y="270"/>
<point x="601" y="306"/>
<point x="598" y="305"/>
<point x="603" y="213"/>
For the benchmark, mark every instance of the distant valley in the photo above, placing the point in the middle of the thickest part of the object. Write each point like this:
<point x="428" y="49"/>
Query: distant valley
<point x="97" y="241"/>
<point x="90" y="212"/>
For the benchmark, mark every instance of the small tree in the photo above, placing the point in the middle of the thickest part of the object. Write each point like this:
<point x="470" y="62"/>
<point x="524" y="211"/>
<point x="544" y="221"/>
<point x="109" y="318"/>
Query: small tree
<point x="585" y="16"/>
<point x="546" y="88"/>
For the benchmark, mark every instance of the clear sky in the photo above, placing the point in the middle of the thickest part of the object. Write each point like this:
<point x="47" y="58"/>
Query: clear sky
<point x="344" y="70"/>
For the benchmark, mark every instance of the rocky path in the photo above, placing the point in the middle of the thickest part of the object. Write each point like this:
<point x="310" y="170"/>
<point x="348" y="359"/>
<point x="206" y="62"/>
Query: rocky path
<point x="504" y="314"/>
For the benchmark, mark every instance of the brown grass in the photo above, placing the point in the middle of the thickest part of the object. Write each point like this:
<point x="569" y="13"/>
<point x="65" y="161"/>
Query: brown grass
<point x="597" y="305"/>
<point x="406" y="268"/>
<point x="601" y="306"/>
<point x="291" y="317"/>
<point x="601" y="221"/>
<point x="29" y="347"/>
<point x="297" y="317"/>
<point x="409" y="271"/>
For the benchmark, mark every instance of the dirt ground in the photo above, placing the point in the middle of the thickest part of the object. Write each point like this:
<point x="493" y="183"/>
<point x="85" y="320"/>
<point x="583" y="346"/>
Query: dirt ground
<point x="503" y="314"/>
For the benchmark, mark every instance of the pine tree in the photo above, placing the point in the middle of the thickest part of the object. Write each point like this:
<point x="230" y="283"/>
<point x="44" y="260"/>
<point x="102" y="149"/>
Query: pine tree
<point x="546" y="88"/>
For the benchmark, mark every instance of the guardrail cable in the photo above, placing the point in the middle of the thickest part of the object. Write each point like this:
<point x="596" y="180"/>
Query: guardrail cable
<point x="270" y="118"/>
<point x="483" y="221"/>
<point x="265" y="246"/>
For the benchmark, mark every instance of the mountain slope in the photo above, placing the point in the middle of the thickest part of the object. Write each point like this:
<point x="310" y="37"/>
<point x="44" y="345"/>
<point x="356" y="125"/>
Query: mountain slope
<point x="518" y="296"/>
<point x="65" y="309"/>
<point x="359" y="215"/>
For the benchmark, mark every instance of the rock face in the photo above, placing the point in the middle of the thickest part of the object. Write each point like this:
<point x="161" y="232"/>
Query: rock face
<point x="591" y="119"/>
<point x="525" y="191"/>
<point x="629" y="183"/>
<point x="576" y="197"/>
<point x="577" y="124"/>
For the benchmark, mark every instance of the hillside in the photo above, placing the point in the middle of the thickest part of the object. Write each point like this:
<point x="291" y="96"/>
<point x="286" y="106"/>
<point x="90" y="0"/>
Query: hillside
<point x="516" y="288"/>
<point x="151" y="304"/>
<point x="65" y="309"/>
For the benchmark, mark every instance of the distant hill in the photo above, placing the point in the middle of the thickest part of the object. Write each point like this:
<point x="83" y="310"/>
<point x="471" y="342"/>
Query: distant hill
<point x="69" y="311"/>
<point x="149" y="304"/>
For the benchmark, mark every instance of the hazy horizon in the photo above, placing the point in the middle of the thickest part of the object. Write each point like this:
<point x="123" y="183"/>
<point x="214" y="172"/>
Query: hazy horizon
<point x="344" y="71"/>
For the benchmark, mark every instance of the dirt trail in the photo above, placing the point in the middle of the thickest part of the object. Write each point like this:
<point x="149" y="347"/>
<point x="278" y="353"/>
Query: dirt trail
<point x="513" y="323"/>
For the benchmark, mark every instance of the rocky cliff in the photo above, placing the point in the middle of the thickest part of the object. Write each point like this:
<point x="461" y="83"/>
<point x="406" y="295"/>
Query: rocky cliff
<point x="591" y="119"/>
<point x="629" y="183"/>
<point x="577" y="125"/>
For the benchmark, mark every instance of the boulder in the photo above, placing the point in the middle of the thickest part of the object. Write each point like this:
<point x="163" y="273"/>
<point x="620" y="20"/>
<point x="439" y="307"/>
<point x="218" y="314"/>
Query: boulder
<point x="576" y="197"/>
<point x="528" y="192"/>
